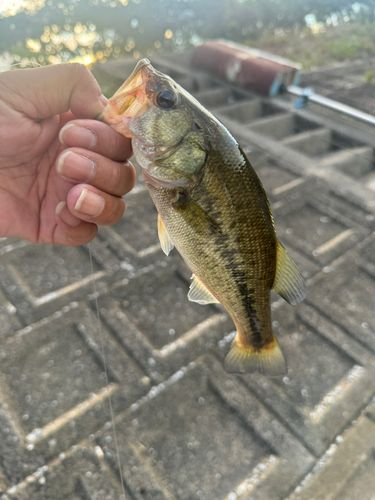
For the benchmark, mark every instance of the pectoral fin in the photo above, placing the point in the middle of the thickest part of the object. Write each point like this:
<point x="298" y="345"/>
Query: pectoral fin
<point x="193" y="213"/>
<point x="289" y="282"/>
<point x="199" y="293"/>
<point x="164" y="238"/>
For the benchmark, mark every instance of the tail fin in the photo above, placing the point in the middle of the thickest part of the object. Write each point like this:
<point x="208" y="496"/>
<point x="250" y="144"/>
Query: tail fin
<point x="268" y="360"/>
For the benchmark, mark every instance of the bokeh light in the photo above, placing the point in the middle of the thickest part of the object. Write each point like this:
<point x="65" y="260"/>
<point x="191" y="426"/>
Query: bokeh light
<point x="88" y="31"/>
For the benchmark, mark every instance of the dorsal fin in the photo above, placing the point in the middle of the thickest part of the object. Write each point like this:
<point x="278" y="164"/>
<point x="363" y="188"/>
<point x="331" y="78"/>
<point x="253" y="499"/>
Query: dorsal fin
<point x="164" y="238"/>
<point x="199" y="293"/>
<point x="289" y="282"/>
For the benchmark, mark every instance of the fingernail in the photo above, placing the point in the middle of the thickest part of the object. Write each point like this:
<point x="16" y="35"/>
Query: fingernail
<point x="97" y="107"/>
<point x="103" y="100"/>
<point x="60" y="206"/>
<point x="77" y="135"/>
<point x="75" y="166"/>
<point x="89" y="203"/>
<point x="63" y="212"/>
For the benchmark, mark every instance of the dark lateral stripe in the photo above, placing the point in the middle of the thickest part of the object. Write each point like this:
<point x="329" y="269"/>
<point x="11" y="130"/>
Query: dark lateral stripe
<point x="256" y="338"/>
<point x="235" y="267"/>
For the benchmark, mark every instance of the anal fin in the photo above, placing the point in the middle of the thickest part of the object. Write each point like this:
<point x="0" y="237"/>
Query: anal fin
<point x="199" y="293"/>
<point x="268" y="360"/>
<point x="164" y="238"/>
<point x="289" y="282"/>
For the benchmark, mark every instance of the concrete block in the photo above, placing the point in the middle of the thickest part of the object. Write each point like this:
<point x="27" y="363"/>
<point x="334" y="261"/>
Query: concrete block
<point x="220" y="440"/>
<point x="53" y="384"/>
<point x="346" y="471"/>
<point x="330" y="376"/>
<point x="345" y="291"/>
<point x="216" y="97"/>
<point x="310" y="143"/>
<point x="155" y="321"/>
<point x="276" y="127"/>
<point x="319" y="236"/>
<point x="355" y="162"/>
<point x="79" y="474"/>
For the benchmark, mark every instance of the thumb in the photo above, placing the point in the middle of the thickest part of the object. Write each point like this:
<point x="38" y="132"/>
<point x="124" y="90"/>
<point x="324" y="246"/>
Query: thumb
<point x="52" y="90"/>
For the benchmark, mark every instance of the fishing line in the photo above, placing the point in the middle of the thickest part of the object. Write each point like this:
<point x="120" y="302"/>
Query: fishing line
<point x="106" y="370"/>
<point x="28" y="63"/>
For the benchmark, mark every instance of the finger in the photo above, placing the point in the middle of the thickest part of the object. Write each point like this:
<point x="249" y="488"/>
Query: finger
<point x="80" y="165"/>
<point x="96" y="136"/>
<point x="92" y="205"/>
<point x="70" y="230"/>
<point x="53" y="90"/>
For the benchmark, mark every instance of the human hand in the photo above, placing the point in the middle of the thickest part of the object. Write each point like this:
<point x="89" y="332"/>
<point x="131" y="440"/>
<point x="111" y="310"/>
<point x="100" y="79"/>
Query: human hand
<point x="52" y="191"/>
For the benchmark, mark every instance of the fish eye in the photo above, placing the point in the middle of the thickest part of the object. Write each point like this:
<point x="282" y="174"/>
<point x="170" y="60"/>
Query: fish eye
<point x="166" y="99"/>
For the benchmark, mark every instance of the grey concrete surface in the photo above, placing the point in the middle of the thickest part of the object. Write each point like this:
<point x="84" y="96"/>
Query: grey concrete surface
<point x="344" y="82"/>
<point x="185" y="429"/>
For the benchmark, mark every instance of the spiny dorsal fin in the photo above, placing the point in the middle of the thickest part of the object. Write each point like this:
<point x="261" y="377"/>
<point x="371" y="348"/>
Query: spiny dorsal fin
<point x="199" y="293"/>
<point x="268" y="360"/>
<point x="165" y="240"/>
<point x="289" y="282"/>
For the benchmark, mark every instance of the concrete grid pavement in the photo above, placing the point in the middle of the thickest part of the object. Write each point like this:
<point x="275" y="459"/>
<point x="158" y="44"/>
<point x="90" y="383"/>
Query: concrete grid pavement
<point x="185" y="429"/>
<point x="345" y="82"/>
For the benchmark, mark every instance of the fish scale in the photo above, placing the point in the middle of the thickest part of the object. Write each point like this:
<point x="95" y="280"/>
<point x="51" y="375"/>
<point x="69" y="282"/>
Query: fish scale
<point x="212" y="208"/>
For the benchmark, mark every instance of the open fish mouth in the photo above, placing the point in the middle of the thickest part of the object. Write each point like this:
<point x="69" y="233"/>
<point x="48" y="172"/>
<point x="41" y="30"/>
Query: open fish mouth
<point x="128" y="100"/>
<point x="133" y="89"/>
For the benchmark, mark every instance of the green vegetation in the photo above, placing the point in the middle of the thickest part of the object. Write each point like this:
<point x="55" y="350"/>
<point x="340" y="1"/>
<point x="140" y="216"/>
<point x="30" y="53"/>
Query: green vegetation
<point x="370" y="76"/>
<point x="326" y="46"/>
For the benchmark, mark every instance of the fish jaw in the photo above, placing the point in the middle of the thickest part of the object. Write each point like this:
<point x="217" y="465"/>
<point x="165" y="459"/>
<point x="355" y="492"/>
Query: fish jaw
<point x="159" y="182"/>
<point x="135" y="112"/>
<point x="129" y="100"/>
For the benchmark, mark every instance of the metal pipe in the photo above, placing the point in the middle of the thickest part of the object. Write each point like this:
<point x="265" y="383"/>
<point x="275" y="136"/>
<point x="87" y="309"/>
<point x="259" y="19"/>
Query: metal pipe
<point x="330" y="103"/>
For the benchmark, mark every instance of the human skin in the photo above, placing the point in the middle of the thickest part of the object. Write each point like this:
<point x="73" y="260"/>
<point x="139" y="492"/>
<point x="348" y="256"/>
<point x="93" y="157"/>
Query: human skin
<point x="61" y="172"/>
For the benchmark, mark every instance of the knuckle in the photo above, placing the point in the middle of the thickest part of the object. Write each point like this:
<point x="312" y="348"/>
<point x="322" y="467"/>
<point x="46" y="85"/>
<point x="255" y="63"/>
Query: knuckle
<point x="132" y="175"/>
<point x="115" y="212"/>
<point x="82" y="78"/>
<point x="121" y="209"/>
<point x="114" y="142"/>
<point x="118" y="145"/>
<point x="71" y="242"/>
<point x="116" y="177"/>
<point x="78" y="70"/>
<point x="82" y="234"/>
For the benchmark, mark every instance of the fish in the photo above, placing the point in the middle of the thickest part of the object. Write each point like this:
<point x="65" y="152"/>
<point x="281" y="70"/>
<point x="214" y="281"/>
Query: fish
<point x="212" y="208"/>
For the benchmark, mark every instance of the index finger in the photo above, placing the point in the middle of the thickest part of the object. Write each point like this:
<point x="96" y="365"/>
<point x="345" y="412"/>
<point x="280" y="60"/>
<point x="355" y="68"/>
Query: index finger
<point x="53" y="90"/>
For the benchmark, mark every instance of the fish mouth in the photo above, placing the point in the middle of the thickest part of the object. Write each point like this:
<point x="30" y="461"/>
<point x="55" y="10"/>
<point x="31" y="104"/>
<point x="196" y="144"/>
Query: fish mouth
<point x="129" y="99"/>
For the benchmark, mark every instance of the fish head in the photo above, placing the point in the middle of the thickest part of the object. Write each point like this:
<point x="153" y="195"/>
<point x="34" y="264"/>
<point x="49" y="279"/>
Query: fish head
<point x="166" y="124"/>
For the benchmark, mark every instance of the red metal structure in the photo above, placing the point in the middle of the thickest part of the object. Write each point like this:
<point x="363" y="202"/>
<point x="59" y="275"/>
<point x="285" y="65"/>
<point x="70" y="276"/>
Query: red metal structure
<point x="253" y="69"/>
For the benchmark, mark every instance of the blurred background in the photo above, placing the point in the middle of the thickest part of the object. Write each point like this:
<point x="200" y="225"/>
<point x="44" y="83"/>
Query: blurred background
<point x="312" y="33"/>
<point x="186" y="430"/>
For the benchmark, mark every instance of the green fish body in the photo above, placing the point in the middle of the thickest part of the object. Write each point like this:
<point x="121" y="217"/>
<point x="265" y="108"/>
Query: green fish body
<point x="212" y="207"/>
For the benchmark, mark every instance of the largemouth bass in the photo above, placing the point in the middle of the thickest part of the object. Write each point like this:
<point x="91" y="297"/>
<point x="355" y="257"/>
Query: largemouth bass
<point x="212" y="207"/>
